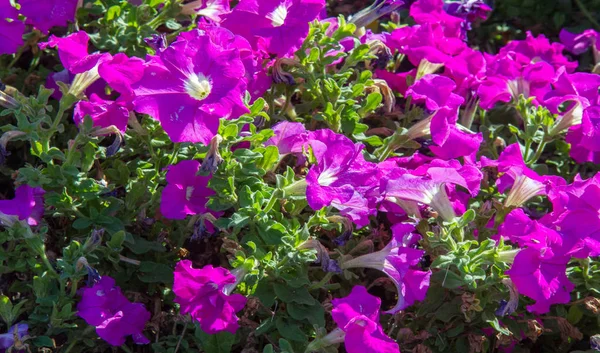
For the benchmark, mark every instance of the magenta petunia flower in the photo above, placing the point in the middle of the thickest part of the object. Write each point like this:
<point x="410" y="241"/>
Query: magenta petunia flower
<point x="467" y="69"/>
<point x="539" y="49"/>
<point x="541" y="277"/>
<point x="212" y="9"/>
<point x="398" y="82"/>
<point x="585" y="137"/>
<point x="119" y="71"/>
<point x="399" y="261"/>
<point x="98" y="87"/>
<point x="192" y="84"/>
<point x="578" y="43"/>
<point x="205" y="294"/>
<point x="289" y="138"/>
<point x="357" y="316"/>
<point x="11" y="29"/>
<point x="278" y="26"/>
<point x="44" y="15"/>
<point x="523" y="182"/>
<point x="27" y="205"/>
<point x="186" y="193"/>
<point x="115" y="318"/>
<point x="432" y="11"/>
<point x="341" y="176"/>
<point x="104" y="113"/>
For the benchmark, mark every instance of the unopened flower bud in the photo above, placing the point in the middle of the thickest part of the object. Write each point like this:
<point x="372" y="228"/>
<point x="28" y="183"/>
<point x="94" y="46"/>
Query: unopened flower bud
<point x="6" y="137"/>
<point x="382" y="52"/>
<point x="282" y="76"/>
<point x="158" y="42"/>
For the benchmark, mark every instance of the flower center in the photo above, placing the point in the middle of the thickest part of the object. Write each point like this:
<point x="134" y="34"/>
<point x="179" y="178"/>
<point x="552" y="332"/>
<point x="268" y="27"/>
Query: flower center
<point x="188" y="192"/>
<point x="278" y="16"/>
<point x="198" y="86"/>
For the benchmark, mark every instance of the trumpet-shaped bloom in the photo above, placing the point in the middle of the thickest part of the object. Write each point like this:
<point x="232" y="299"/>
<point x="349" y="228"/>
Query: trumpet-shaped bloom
<point x="193" y="83"/>
<point x="357" y="315"/>
<point x="398" y="260"/>
<point x="11" y="29"/>
<point x="27" y="205"/>
<point x="278" y="26"/>
<point x="523" y="182"/>
<point x="66" y="77"/>
<point x="212" y="9"/>
<point x="115" y="318"/>
<point x="539" y="49"/>
<point x="186" y="193"/>
<point x="289" y="138"/>
<point x="104" y="113"/>
<point x="204" y="294"/>
<point x="44" y="15"/>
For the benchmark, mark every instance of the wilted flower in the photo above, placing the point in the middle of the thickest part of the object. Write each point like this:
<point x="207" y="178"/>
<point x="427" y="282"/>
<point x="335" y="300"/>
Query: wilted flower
<point x="205" y="294"/>
<point x="510" y="306"/>
<point x="186" y="192"/>
<point x="115" y="318"/>
<point x="398" y="260"/>
<point x="357" y="317"/>
<point x="7" y="339"/>
<point x="11" y="28"/>
<point x="27" y="205"/>
<point x="278" y="26"/>
<point x="192" y="84"/>
<point x="213" y="159"/>
<point x="327" y="264"/>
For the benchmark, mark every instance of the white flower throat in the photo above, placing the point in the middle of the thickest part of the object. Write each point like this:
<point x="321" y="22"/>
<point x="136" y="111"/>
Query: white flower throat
<point x="278" y="16"/>
<point x="198" y="86"/>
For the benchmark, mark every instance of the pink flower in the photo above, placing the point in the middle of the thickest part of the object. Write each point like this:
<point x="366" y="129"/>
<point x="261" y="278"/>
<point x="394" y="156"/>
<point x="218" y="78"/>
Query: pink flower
<point x="399" y="261"/>
<point x="357" y="315"/>
<point x="115" y="318"/>
<point x="27" y="205"/>
<point x="539" y="49"/>
<point x="289" y="138"/>
<point x="212" y="9"/>
<point x="186" y="193"/>
<point x="46" y="14"/>
<point x="104" y="113"/>
<point x="278" y="26"/>
<point x="192" y="84"/>
<point x="579" y="43"/>
<point x="205" y="294"/>
<point x="73" y="52"/>
<point x="11" y="29"/>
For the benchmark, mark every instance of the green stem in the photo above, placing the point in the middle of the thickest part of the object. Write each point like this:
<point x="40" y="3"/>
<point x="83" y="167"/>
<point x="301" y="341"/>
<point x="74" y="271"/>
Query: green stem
<point x="126" y="349"/>
<point x="181" y="337"/>
<point x="74" y="284"/>
<point x="587" y="14"/>
<point x="322" y="282"/>
<point x="538" y="152"/>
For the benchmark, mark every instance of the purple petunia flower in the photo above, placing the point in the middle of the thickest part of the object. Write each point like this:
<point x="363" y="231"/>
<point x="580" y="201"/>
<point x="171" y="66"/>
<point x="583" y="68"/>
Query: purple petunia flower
<point x="289" y="138"/>
<point x="192" y="84"/>
<point x="398" y="260"/>
<point x="585" y="137"/>
<point x="357" y="317"/>
<point x="341" y="176"/>
<point x="115" y="318"/>
<point x="206" y="295"/>
<point x="104" y="113"/>
<point x="7" y="339"/>
<point x="538" y="49"/>
<point x="46" y="14"/>
<point x="212" y="9"/>
<point x="11" y="29"/>
<point x="278" y="26"/>
<point x="28" y="204"/>
<point x="186" y="193"/>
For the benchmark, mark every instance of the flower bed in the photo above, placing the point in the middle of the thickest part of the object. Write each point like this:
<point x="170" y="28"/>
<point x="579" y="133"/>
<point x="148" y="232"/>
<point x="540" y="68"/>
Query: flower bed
<point x="256" y="176"/>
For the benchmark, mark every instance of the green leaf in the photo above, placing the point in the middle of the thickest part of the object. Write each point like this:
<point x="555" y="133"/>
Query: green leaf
<point x="270" y="157"/>
<point x="140" y="245"/>
<point x="43" y="341"/>
<point x="575" y="314"/>
<point x="116" y="240"/>
<point x="268" y="349"/>
<point x="219" y="343"/>
<point x="6" y="311"/>
<point x="290" y="330"/>
<point x="313" y="313"/>
<point x="153" y="272"/>
<point x="293" y="295"/>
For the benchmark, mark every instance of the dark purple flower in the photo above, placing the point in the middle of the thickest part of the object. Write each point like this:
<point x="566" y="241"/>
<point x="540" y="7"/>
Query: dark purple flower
<point x="46" y="14"/>
<point x="7" y="339"/>
<point x="11" y="29"/>
<point x="115" y="318"/>
<point x="28" y="204"/>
